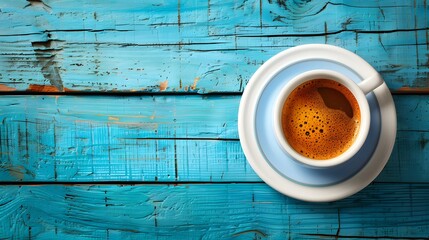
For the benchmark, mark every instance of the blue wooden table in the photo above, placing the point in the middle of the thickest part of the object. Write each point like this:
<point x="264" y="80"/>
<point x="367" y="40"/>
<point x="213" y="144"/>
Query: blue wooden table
<point x="119" y="118"/>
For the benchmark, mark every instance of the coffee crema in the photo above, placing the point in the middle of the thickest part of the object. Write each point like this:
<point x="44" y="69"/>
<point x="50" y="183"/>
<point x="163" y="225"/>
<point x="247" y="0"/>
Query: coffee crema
<point x="320" y="119"/>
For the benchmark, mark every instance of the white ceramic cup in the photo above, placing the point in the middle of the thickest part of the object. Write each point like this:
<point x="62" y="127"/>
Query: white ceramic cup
<point x="358" y="90"/>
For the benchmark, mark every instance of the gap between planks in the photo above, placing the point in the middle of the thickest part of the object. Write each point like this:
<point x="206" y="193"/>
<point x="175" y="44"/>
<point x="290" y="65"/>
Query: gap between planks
<point x="113" y="93"/>
<point x="168" y="183"/>
<point x="124" y="183"/>
<point x="400" y="91"/>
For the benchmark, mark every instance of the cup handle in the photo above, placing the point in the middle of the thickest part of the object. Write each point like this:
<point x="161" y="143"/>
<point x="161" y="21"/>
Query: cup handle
<point x="371" y="83"/>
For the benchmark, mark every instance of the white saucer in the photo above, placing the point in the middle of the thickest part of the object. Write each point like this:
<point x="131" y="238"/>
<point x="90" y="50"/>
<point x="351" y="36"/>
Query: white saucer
<point x="275" y="166"/>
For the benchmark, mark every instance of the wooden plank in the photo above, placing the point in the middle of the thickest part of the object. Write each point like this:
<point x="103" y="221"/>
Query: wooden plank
<point x="194" y="46"/>
<point x="135" y="116"/>
<point x="209" y="211"/>
<point x="120" y="138"/>
<point x="159" y="138"/>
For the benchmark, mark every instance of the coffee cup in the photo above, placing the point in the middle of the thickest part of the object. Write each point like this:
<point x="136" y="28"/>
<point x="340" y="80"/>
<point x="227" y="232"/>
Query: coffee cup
<point x="322" y="117"/>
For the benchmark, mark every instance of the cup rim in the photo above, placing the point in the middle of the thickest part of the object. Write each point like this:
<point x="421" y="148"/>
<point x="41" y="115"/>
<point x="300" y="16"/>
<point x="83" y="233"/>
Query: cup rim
<point x="364" y="122"/>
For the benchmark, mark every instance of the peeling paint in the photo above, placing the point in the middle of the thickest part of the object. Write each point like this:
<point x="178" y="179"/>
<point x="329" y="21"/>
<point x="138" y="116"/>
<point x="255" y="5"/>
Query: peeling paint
<point x="42" y="88"/>
<point x="194" y="85"/>
<point x="111" y="118"/>
<point x="72" y="90"/>
<point x="163" y="85"/>
<point x="4" y="88"/>
<point x="412" y="90"/>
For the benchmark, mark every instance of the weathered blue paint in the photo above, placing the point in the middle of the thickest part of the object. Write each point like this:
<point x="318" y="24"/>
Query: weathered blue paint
<point x="208" y="211"/>
<point x="197" y="46"/>
<point x="190" y="179"/>
<point x="120" y="138"/>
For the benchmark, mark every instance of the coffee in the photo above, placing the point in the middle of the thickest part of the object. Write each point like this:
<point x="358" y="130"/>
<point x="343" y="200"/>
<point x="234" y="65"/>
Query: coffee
<point x="320" y="119"/>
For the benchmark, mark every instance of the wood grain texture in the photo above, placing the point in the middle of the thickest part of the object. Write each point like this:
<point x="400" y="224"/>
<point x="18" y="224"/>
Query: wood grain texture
<point x="215" y="211"/>
<point x="159" y="138"/>
<point x="197" y="46"/>
<point x="128" y="149"/>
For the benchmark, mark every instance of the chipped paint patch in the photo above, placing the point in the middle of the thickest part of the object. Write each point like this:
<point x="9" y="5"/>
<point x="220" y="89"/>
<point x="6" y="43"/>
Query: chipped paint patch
<point x="111" y="118"/>
<point x="411" y="90"/>
<point x="42" y="88"/>
<point x="5" y="88"/>
<point x="194" y="85"/>
<point x="72" y="90"/>
<point x="163" y="85"/>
